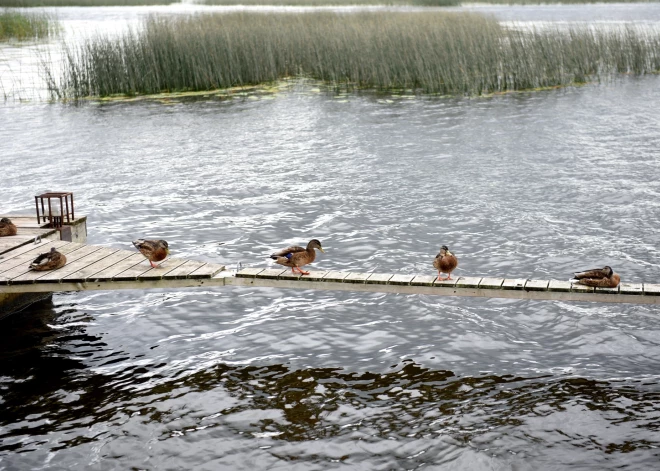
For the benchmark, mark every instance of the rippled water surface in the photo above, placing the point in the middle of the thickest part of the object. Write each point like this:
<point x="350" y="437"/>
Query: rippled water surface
<point x="520" y="185"/>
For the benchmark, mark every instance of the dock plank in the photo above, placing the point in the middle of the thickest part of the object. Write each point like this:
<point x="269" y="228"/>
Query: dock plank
<point x="271" y="273"/>
<point x="23" y="267"/>
<point x="356" y="277"/>
<point x="207" y="271"/>
<point x="491" y="283"/>
<point x="379" y="278"/>
<point x="401" y="279"/>
<point x="175" y="268"/>
<point x="631" y="288"/>
<point x="445" y="283"/>
<point x="423" y="280"/>
<point x="248" y="272"/>
<point x="652" y="289"/>
<point x="336" y="276"/>
<point x="108" y="273"/>
<point x="34" y="249"/>
<point x="514" y="283"/>
<point x="537" y="285"/>
<point x="29" y="255"/>
<point x="31" y="276"/>
<point x="314" y="275"/>
<point x="468" y="282"/>
<point x="89" y="271"/>
<point x="72" y="266"/>
<point x="581" y="288"/>
<point x="289" y="275"/>
<point x="560" y="286"/>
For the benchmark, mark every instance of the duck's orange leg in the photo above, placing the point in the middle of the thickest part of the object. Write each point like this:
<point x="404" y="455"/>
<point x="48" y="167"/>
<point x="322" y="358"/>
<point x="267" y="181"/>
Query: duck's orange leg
<point x="152" y="264"/>
<point x="440" y="277"/>
<point x="299" y="271"/>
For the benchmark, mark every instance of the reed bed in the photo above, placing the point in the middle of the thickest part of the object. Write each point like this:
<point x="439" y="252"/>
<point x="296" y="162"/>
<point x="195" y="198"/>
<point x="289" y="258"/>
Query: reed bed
<point x="433" y="52"/>
<point x="81" y="3"/>
<point x="25" y="26"/>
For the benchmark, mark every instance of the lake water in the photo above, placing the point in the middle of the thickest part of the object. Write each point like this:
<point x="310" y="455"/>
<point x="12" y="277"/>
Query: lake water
<point x="519" y="185"/>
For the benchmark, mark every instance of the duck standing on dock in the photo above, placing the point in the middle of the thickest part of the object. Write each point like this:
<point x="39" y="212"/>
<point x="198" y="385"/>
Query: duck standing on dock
<point x="49" y="261"/>
<point x="598" y="278"/>
<point x="7" y="228"/>
<point x="153" y="250"/>
<point x="445" y="262"/>
<point x="296" y="256"/>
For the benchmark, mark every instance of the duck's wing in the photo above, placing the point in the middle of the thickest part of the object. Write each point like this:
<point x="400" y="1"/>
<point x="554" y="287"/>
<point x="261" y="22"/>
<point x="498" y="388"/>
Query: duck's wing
<point x="593" y="273"/>
<point x="41" y="259"/>
<point x="288" y="251"/>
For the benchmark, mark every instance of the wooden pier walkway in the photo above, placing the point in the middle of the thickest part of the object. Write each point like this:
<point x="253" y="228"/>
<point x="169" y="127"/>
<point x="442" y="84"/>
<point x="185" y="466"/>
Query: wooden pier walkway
<point x="91" y="267"/>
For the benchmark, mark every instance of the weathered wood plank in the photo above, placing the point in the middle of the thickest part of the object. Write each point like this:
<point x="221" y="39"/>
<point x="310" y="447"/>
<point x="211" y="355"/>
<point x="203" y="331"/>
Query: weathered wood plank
<point x="114" y="270"/>
<point x="336" y="276"/>
<point x="652" y="289"/>
<point x="30" y="276"/>
<point x="144" y="268"/>
<point x="537" y="285"/>
<point x="379" y="278"/>
<point x="207" y="271"/>
<point x="272" y="273"/>
<point x="289" y="275"/>
<point x="249" y="272"/>
<point x="356" y="277"/>
<point x="177" y="268"/>
<point x="445" y="283"/>
<point x="575" y="288"/>
<point x="400" y="280"/>
<point x="468" y="282"/>
<point x="631" y="288"/>
<point x="27" y="256"/>
<point x="89" y="271"/>
<point x="560" y="286"/>
<point x="72" y="266"/>
<point x="314" y="275"/>
<point x="608" y="290"/>
<point x="491" y="283"/>
<point x="24" y="267"/>
<point x="423" y="280"/>
<point x="32" y="249"/>
<point x="514" y="283"/>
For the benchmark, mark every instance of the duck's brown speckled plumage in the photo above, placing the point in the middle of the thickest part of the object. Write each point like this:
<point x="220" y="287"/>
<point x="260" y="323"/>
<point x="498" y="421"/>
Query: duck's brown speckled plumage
<point x="7" y="228"/>
<point x="598" y="278"/>
<point x="296" y="256"/>
<point x="445" y="262"/>
<point x="49" y="261"/>
<point x="153" y="250"/>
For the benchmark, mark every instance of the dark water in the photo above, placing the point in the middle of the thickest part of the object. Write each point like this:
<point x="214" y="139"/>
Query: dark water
<point x="521" y="185"/>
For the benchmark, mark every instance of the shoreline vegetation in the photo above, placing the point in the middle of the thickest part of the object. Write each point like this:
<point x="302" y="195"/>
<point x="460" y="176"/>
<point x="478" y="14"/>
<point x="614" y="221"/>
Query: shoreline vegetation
<point x="21" y="26"/>
<point x="441" y="53"/>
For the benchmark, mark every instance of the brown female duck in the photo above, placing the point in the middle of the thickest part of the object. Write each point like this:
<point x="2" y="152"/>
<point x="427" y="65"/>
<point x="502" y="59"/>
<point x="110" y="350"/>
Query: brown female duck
<point x="597" y="277"/>
<point x="445" y="262"/>
<point x="49" y="261"/>
<point x="153" y="250"/>
<point x="7" y="228"/>
<point x="296" y="256"/>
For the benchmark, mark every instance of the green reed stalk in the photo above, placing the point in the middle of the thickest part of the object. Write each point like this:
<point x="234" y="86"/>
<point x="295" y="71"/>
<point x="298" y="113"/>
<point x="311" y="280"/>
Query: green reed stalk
<point x="432" y="52"/>
<point x="25" y="26"/>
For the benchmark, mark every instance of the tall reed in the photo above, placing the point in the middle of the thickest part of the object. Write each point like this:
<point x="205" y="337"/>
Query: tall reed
<point x="25" y="26"/>
<point x="433" y="52"/>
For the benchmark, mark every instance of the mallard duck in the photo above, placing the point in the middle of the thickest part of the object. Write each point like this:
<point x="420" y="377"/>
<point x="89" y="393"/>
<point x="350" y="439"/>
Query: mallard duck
<point x="154" y="250"/>
<point x="296" y="256"/>
<point x="7" y="228"/>
<point x="445" y="262"/>
<point x="49" y="261"/>
<point x="598" y="277"/>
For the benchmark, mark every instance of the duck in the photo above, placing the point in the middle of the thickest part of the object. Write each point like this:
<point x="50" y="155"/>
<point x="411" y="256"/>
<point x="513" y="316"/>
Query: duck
<point x="7" y="228"/>
<point x="597" y="277"/>
<point x="49" y="261"/>
<point x="296" y="256"/>
<point x="153" y="250"/>
<point x="445" y="262"/>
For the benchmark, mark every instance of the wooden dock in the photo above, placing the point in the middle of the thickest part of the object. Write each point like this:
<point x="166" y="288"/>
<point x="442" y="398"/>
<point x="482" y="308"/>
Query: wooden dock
<point x="28" y="230"/>
<point x="91" y="267"/>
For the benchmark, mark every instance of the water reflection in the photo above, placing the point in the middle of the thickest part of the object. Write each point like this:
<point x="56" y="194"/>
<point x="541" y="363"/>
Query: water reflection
<point x="52" y="400"/>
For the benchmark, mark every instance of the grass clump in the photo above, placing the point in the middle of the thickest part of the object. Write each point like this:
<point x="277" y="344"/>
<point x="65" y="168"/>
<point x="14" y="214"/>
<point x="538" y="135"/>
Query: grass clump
<point x="433" y="52"/>
<point x="81" y="3"/>
<point x="25" y="26"/>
